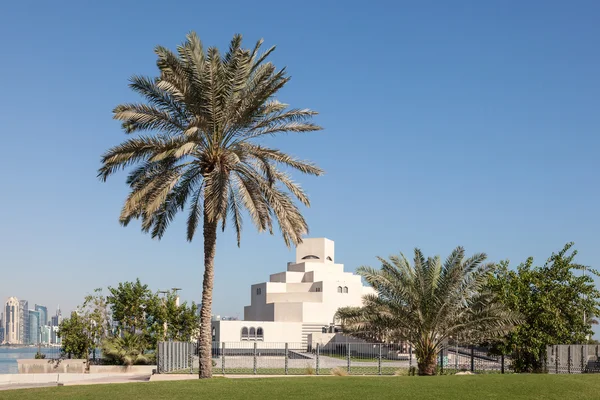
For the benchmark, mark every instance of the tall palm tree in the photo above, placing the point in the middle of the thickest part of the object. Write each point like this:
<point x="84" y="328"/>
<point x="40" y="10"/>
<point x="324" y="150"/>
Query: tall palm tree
<point x="427" y="303"/>
<point x="207" y="112"/>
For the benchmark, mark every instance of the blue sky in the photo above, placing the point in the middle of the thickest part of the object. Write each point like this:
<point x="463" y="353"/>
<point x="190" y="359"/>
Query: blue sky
<point x="471" y="123"/>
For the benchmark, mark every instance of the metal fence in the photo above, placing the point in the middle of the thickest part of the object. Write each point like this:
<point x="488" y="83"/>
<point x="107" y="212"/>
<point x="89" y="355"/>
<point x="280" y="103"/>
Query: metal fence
<point x="263" y="358"/>
<point x="573" y="359"/>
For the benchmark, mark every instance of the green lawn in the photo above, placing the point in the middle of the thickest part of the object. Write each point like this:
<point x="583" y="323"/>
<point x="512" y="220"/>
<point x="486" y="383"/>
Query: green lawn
<point x="529" y="387"/>
<point x="309" y="370"/>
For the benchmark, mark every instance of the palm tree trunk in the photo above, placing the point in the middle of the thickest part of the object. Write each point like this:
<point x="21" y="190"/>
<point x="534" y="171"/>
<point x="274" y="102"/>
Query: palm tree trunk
<point x="210" y="244"/>
<point x="426" y="360"/>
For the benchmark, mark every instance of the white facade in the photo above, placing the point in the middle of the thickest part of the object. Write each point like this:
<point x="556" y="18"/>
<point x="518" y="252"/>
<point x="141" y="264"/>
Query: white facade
<point x="299" y="301"/>
<point x="12" y="320"/>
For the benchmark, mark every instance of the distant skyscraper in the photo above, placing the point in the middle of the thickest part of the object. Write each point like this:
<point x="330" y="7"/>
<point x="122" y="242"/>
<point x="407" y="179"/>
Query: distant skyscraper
<point x="24" y="324"/>
<point x="1" y="327"/>
<point x="34" y="327"/>
<point x="45" y="334"/>
<point x="43" y="314"/>
<point x="12" y="320"/>
<point x="54" y="338"/>
<point x="57" y="319"/>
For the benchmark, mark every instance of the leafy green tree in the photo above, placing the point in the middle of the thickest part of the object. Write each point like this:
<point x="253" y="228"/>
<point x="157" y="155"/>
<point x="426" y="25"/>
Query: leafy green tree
<point x="427" y="303"/>
<point x="86" y="328"/>
<point x="96" y="316"/>
<point x="208" y="113"/>
<point x="128" y="302"/>
<point x="75" y="342"/>
<point x="168" y="321"/>
<point x="558" y="302"/>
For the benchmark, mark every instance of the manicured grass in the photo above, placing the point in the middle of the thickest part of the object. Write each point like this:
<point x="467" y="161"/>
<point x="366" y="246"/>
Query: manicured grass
<point x="299" y="371"/>
<point x="480" y="387"/>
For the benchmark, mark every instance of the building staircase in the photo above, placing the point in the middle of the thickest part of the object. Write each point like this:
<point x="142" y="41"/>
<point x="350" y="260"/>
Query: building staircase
<point x="309" y="328"/>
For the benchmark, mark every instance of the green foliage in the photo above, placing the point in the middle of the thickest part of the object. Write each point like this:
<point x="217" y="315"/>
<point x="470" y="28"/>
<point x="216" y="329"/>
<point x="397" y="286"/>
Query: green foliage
<point x="127" y="349"/>
<point x="142" y="318"/>
<point x="128" y="303"/>
<point x="558" y="303"/>
<point x="206" y="110"/>
<point x="75" y="341"/>
<point x="39" y="355"/>
<point x="136" y="309"/>
<point x="427" y="303"/>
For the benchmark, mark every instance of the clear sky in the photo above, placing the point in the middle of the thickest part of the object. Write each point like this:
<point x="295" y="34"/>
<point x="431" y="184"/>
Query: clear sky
<point x="470" y="123"/>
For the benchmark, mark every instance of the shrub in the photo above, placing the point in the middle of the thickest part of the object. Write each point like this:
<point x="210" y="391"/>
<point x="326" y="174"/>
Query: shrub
<point x="125" y="350"/>
<point x="339" y="372"/>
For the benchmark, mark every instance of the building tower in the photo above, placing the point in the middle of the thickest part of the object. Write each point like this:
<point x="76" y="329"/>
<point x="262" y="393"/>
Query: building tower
<point x="43" y="310"/>
<point x="12" y="319"/>
<point x="34" y="327"/>
<point x="24" y="322"/>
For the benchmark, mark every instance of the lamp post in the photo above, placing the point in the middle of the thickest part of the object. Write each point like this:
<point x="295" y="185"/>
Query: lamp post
<point x="164" y="292"/>
<point x="176" y="290"/>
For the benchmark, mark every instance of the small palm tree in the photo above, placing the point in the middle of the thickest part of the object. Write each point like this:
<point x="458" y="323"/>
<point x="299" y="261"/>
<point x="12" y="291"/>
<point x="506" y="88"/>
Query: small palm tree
<point x="427" y="303"/>
<point x="127" y="349"/>
<point x="207" y="113"/>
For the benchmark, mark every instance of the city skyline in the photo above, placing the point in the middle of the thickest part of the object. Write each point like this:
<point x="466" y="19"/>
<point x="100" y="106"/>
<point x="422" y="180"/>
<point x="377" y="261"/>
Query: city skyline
<point x="22" y="325"/>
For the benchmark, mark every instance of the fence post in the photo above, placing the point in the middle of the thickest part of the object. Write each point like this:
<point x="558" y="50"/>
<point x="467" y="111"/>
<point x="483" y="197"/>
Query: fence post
<point x="181" y="352"/>
<point x="223" y="358"/>
<point x="190" y="360"/>
<point x="379" y="361"/>
<point x="596" y="352"/>
<point x="348" y="355"/>
<point x="159" y="357"/>
<point x="255" y="360"/>
<point x="318" y="359"/>
<point x="441" y="355"/>
<point x="472" y="358"/>
<point x="286" y="355"/>
<point x="502" y="363"/>
<point x="569" y="359"/>
<point x="456" y="357"/>
<point x="171" y="354"/>
<point x="177" y="356"/>
<point x="582" y="358"/>
<point x="556" y="361"/>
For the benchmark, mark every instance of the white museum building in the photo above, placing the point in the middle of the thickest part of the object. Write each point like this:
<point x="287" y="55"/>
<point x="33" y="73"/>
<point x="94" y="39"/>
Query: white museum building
<point x="298" y="302"/>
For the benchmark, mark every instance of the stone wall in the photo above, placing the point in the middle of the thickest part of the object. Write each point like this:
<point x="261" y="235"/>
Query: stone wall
<point x="50" y="366"/>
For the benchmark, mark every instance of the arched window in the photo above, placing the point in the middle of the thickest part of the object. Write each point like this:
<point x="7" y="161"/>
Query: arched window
<point x="252" y="333"/>
<point x="260" y="335"/>
<point x="339" y="289"/>
<point x="244" y="333"/>
<point x="310" y="257"/>
<point x="329" y="258"/>
<point x="317" y="289"/>
<point x="214" y="334"/>
<point x="345" y="289"/>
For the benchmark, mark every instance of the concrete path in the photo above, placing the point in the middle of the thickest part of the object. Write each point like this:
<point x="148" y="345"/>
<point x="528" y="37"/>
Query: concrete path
<point x="27" y="381"/>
